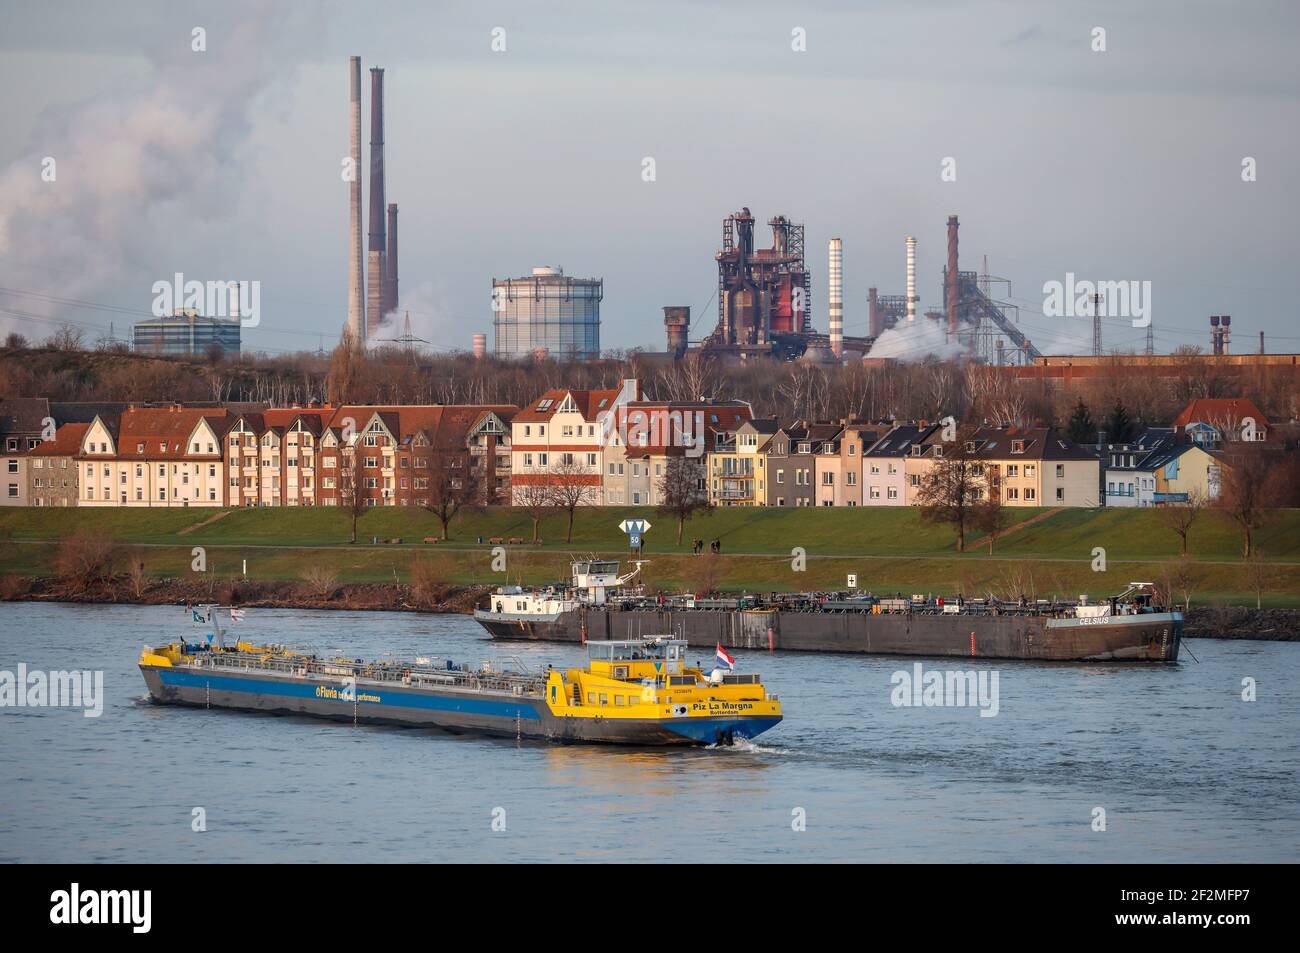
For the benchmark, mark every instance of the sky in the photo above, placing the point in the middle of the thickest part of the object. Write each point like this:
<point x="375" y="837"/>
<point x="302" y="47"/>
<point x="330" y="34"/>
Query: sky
<point x="224" y="163"/>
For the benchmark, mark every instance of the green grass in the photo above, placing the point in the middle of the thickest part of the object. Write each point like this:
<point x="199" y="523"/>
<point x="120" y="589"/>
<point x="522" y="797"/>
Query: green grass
<point x="822" y="532"/>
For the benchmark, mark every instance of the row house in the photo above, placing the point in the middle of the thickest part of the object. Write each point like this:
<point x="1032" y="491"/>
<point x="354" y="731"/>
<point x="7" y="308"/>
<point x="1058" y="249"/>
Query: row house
<point x="561" y="440"/>
<point x="737" y="466"/>
<point x="154" y="456"/>
<point x="792" y="463"/>
<point x="52" y="468"/>
<point x="648" y="434"/>
<point x="272" y="456"/>
<point x="414" y="455"/>
<point x="885" y="480"/>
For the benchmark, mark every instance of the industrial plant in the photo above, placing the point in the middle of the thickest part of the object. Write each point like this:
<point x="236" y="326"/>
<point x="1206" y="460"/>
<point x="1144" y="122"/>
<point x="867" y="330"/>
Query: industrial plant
<point x="765" y="304"/>
<point x="547" y="314"/>
<point x="370" y="297"/>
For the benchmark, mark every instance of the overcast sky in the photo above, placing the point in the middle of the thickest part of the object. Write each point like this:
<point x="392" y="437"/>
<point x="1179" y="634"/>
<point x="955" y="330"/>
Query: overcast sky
<point x="225" y="164"/>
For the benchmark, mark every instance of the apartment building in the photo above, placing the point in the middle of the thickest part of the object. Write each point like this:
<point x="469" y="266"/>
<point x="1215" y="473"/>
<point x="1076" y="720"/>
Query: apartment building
<point x="885" y="480"/>
<point x="738" y="472"/>
<point x="837" y="471"/>
<point x="560" y="440"/>
<point x="154" y="456"/>
<point x="409" y="454"/>
<point x="650" y="433"/>
<point x="52" y="469"/>
<point x="1037" y="466"/>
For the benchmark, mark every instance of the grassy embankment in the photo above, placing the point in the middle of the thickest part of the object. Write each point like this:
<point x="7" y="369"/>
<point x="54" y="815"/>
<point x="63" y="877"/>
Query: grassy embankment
<point x="890" y="549"/>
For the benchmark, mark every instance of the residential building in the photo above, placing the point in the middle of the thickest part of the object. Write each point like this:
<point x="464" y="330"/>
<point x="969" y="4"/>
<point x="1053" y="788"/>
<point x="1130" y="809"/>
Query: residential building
<point x="792" y="462"/>
<point x="154" y="456"/>
<point x="1128" y="470"/>
<point x="1037" y="466"/>
<point x="738" y="471"/>
<point x="884" y="465"/>
<point x="559" y="441"/>
<point x="24" y="422"/>
<point x="405" y="450"/>
<point x="837" y="470"/>
<point x="1211" y="422"/>
<point x="648" y="434"/>
<point x="52" y="468"/>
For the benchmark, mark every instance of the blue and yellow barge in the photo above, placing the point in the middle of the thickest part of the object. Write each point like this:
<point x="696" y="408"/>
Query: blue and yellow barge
<point x="634" y="692"/>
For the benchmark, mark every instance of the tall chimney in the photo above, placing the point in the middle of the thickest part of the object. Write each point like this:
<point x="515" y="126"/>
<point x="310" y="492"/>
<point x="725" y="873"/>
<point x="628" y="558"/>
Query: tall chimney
<point x="1227" y="333"/>
<point x="911" y="279"/>
<point x="836" y="296"/>
<point x="1216" y="340"/>
<point x="874" y="317"/>
<point x="1261" y="342"/>
<point x="952" y="285"/>
<point x="356" y="261"/>
<point x="390" y="271"/>
<point x="376" y="297"/>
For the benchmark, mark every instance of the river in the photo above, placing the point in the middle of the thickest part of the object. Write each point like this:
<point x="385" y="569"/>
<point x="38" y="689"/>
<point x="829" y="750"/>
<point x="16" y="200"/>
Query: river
<point x="1184" y="768"/>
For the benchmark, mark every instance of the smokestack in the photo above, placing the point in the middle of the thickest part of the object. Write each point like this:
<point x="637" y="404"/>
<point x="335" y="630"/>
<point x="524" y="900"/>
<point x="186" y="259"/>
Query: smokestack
<point x="356" y="261"/>
<point x="1261" y="342"/>
<point x="1216" y="336"/>
<point x="836" y="296"/>
<point x="952" y="285"/>
<point x="677" y="325"/>
<point x="376" y="297"/>
<point x="390" y="270"/>
<point x="1226" y="333"/>
<point x="911" y="278"/>
<point x="480" y="346"/>
<point x="874" y="318"/>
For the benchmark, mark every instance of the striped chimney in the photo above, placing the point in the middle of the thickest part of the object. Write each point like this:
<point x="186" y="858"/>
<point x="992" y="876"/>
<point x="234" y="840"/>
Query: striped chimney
<point x="911" y="278"/>
<point x="356" y="259"/>
<point x="836" y="296"/>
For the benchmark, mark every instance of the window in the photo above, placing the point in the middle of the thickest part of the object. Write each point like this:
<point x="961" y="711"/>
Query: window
<point x="780" y="476"/>
<point x="828" y="479"/>
<point x="1060" y="493"/>
<point x="1060" y="471"/>
<point x="851" y="479"/>
<point x="591" y="459"/>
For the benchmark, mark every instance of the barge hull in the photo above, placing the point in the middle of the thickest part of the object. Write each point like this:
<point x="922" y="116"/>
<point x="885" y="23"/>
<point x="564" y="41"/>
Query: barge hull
<point x="1149" y="637"/>
<point x="451" y="711"/>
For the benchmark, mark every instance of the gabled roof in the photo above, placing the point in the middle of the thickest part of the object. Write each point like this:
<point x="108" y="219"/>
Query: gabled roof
<point x="589" y="403"/>
<point x="1030" y="443"/>
<point x="1219" y="411"/>
<point x="66" y="442"/>
<point x="444" y="426"/>
<point x="716" y="418"/>
<point x="164" y="432"/>
<point x="898" y="441"/>
<point x="23" y="415"/>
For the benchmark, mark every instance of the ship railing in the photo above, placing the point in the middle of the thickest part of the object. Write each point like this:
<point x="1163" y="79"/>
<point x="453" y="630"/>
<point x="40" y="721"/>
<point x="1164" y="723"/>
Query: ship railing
<point x="377" y="672"/>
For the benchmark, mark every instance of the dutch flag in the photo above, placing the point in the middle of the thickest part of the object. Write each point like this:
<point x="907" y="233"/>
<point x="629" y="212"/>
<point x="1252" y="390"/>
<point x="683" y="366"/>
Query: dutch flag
<point x="725" y="659"/>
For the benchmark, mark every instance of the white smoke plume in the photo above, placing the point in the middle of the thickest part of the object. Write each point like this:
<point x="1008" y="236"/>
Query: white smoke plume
<point x="909" y="341"/>
<point x="136" y="172"/>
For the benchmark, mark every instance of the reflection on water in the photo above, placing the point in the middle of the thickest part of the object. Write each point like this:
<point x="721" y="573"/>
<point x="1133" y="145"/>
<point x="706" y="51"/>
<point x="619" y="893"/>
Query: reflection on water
<point x="1184" y="768"/>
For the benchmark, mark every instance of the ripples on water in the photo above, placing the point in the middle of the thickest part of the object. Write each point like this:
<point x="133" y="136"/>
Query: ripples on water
<point x="1185" y="769"/>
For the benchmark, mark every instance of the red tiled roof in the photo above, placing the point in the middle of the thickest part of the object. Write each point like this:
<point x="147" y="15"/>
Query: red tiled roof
<point x="155" y="427"/>
<point x="446" y="425"/>
<point x="66" y="442"/>
<point x="1217" y="411"/>
<point x="590" y="404"/>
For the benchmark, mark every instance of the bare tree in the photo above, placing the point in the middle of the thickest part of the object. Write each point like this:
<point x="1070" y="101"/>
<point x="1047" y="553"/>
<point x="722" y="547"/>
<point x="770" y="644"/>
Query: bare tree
<point x="352" y="484"/>
<point x="680" y="493"/>
<point x="321" y="580"/>
<point x="1179" y="517"/>
<point x="534" y="497"/>
<point x="991" y="517"/>
<point x="1247" y="492"/>
<point x="87" y="560"/>
<point x="952" y="487"/>
<point x="452" y="487"/>
<point x="572" y="485"/>
<point x="1257" y="572"/>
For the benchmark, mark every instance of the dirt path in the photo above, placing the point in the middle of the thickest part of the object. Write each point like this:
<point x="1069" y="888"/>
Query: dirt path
<point x="211" y="519"/>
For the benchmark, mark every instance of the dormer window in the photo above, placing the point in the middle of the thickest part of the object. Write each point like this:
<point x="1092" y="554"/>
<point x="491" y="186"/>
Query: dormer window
<point x="970" y="446"/>
<point x="162" y="448"/>
<point x="938" y="451"/>
<point x="1017" y="446"/>
<point x="139" y="448"/>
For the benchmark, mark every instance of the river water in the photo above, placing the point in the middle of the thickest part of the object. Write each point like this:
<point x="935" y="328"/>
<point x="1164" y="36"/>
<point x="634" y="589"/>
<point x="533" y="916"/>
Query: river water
<point x="1183" y="767"/>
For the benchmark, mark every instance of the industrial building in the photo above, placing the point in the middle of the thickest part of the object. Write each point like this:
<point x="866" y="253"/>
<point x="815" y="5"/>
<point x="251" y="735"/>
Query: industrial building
<point x="186" y="333"/>
<point x="370" y="298"/>
<point x="765" y="303"/>
<point x="547" y="314"/>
